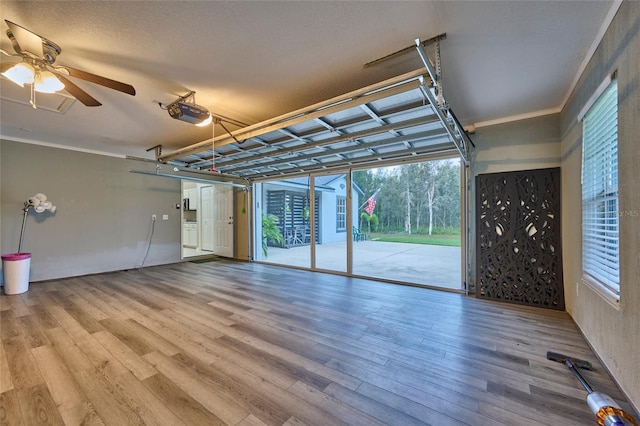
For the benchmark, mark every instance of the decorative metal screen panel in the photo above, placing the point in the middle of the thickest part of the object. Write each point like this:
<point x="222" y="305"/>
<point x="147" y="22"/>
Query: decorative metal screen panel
<point x="518" y="240"/>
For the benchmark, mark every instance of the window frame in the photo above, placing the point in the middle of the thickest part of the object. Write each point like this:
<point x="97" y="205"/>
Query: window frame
<point x="341" y="214"/>
<point x="600" y="195"/>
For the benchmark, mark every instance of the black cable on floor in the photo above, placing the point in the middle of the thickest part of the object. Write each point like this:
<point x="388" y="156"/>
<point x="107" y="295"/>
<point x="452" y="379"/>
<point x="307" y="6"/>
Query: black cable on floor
<point x="153" y="227"/>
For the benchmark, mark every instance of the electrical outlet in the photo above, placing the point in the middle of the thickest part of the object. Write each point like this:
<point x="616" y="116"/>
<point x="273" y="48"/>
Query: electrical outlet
<point x="153" y="217"/>
<point x="165" y="217"/>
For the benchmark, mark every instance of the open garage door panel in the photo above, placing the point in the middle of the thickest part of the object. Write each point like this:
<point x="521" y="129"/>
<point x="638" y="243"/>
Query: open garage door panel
<point x="395" y="120"/>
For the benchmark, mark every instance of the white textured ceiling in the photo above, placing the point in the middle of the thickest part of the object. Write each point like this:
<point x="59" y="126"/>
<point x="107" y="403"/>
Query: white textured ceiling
<point x="251" y="61"/>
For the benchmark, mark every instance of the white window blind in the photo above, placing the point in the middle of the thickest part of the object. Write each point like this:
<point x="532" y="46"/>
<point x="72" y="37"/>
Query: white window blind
<point x="600" y="211"/>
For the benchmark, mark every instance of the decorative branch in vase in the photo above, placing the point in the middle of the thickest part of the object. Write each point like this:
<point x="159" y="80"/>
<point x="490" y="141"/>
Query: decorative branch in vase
<point x="15" y="266"/>
<point x="40" y="204"/>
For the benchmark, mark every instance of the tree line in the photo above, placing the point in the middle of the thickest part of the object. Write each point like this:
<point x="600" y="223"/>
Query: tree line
<point x="412" y="198"/>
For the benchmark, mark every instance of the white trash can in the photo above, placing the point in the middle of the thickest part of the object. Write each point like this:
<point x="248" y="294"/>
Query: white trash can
<point x="15" y="272"/>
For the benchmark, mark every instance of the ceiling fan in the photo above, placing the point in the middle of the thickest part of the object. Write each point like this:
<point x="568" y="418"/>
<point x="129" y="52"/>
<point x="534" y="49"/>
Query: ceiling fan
<point x="38" y="56"/>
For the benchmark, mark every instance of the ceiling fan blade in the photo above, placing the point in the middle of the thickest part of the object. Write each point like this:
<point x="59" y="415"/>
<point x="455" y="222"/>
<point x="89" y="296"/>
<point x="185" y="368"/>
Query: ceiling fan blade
<point x="27" y="41"/>
<point x="103" y="81"/>
<point x="78" y="93"/>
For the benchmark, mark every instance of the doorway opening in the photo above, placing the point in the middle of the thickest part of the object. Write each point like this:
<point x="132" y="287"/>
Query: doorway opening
<point x="401" y="223"/>
<point x="207" y="219"/>
<point x="409" y="225"/>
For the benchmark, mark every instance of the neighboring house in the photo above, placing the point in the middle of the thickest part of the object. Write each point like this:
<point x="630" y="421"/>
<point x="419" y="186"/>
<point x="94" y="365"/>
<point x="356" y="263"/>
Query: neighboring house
<point x="289" y="200"/>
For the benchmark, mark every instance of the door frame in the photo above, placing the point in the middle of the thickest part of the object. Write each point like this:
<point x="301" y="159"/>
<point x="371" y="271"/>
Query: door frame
<point x="199" y="254"/>
<point x="465" y="188"/>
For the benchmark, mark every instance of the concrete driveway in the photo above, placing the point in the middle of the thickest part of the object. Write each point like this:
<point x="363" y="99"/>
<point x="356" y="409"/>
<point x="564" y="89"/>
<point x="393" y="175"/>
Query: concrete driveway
<point x="437" y="266"/>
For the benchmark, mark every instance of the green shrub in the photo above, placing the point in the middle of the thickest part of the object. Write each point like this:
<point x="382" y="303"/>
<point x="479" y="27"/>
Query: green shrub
<point x="270" y="232"/>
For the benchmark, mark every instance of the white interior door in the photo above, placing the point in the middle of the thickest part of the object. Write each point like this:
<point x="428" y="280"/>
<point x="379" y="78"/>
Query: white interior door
<point x="223" y="219"/>
<point x="207" y="217"/>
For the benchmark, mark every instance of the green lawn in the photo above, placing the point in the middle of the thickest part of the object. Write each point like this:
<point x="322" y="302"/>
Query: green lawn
<point x="435" y="240"/>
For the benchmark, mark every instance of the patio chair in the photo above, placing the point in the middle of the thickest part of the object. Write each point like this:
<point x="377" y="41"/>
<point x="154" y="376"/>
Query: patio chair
<point x="358" y="235"/>
<point x="307" y="234"/>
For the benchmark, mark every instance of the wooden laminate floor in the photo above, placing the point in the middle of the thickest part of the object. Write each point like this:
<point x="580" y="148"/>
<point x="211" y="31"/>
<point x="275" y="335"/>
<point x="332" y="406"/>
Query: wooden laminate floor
<point x="248" y="344"/>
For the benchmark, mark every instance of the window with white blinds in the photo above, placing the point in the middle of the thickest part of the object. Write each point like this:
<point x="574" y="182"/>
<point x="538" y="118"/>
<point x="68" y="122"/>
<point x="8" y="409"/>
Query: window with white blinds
<point x="600" y="212"/>
<point x="341" y="213"/>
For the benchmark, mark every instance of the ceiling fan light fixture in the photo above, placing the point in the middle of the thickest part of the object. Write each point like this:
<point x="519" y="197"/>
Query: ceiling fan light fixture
<point x="46" y="82"/>
<point x="21" y="74"/>
<point x="39" y="55"/>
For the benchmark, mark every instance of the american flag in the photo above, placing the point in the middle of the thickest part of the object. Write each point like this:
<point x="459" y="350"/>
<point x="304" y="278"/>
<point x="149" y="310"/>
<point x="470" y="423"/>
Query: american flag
<point x="371" y="203"/>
